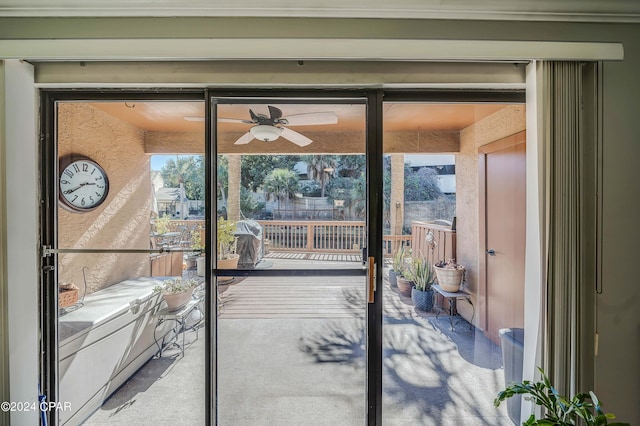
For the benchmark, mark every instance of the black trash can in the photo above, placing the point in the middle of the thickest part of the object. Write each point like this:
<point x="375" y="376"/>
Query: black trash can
<point x="512" y="341"/>
<point x="249" y="244"/>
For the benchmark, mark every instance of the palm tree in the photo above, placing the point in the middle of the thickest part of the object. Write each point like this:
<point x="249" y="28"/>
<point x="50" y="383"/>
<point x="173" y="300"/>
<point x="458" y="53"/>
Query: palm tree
<point x="281" y="184"/>
<point x="321" y="168"/>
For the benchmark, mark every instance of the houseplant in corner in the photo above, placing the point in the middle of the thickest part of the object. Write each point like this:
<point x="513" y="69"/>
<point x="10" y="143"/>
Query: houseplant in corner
<point x="558" y="410"/>
<point x="176" y="291"/>
<point x="423" y="276"/>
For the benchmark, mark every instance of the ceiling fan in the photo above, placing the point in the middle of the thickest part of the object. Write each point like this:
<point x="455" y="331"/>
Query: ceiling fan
<point x="271" y="127"/>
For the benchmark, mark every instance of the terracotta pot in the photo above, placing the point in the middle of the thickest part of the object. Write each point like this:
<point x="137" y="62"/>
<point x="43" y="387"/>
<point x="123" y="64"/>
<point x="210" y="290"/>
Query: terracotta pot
<point x="404" y="286"/>
<point x="229" y="263"/>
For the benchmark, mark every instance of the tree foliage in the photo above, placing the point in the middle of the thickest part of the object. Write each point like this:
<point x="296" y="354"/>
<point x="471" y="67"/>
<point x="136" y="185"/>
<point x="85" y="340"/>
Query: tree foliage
<point x="351" y="191"/>
<point x="222" y="178"/>
<point x="321" y="168"/>
<point x="281" y="184"/>
<point x="256" y="167"/>
<point x="421" y="184"/>
<point x="351" y="165"/>
<point x="188" y="169"/>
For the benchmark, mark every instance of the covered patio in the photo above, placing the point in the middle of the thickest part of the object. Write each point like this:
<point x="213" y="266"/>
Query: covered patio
<point x="301" y="344"/>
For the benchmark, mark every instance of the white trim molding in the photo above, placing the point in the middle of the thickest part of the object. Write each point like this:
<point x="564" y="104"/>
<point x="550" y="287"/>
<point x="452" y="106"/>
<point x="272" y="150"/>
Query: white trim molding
<point x="521" y="10"/>
<point x="305" y="49"/>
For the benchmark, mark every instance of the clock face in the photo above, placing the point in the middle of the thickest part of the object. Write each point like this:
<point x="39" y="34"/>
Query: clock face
<point x="83" y="185"/>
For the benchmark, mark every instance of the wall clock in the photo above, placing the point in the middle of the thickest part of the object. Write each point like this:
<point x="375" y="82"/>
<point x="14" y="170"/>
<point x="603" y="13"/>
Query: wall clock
<point x="83" y="184"/>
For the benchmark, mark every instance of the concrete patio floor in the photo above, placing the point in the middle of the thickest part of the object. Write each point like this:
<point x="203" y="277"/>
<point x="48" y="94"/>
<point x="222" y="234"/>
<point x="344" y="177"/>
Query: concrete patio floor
<point x="291" y="352"/>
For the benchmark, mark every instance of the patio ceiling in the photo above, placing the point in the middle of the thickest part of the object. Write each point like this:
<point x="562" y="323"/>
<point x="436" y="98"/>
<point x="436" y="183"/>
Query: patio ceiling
<point x="408" y="127"/>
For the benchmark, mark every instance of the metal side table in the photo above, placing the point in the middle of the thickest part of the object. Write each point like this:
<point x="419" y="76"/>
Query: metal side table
<point x="451" y="299"/>
<point x="179" y="316"/>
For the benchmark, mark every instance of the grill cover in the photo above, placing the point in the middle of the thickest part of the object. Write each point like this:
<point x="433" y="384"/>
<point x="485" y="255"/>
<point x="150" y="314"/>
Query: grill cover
<point x="249" y="245"/>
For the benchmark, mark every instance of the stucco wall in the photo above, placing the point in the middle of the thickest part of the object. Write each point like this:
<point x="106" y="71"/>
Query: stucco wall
<point x="506" y="122"/>
<point x="122" y="221"/>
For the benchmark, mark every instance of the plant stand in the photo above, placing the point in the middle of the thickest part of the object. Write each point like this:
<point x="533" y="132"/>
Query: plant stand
<point x="179" y="317"/>
<point x="452" y="298"/>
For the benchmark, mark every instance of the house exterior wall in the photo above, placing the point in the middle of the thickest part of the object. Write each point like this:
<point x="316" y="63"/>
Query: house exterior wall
<point x="617" y="368"/>
<point x="122" y="220"/>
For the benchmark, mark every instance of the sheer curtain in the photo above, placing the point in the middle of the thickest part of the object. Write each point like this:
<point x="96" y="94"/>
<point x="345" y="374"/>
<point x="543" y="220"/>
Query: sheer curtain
<point x="561" y="262"/>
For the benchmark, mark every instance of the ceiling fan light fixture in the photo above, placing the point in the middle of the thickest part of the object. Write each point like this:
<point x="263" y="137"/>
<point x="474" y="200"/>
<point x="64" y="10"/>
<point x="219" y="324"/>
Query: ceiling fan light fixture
<point x="265" y="133"/>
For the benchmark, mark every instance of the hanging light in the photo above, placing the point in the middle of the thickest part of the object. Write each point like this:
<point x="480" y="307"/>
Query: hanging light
<point x="265" y="133"/>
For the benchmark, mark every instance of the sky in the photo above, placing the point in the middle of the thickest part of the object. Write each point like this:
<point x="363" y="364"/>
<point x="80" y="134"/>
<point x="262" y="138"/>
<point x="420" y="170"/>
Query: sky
<point x="157" y="161"/>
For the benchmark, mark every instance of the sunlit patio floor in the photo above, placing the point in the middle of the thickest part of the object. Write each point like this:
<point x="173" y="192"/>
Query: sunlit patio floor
<point x="291" y="351"/>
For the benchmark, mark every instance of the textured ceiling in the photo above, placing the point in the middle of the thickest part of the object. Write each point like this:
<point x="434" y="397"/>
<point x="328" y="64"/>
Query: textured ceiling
<point x="170" y="116"/>
<point x="549" y="10"/>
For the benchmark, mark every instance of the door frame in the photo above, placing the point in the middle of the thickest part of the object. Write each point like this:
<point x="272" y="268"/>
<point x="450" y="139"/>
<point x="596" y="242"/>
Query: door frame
<point x="372" y="99"/>
<point x="375" y="99"/>
<point x="48" y="235"/>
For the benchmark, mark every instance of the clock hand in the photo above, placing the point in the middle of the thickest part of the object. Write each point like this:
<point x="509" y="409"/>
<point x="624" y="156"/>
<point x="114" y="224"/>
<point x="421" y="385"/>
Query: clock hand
<point x="69" y="191"/>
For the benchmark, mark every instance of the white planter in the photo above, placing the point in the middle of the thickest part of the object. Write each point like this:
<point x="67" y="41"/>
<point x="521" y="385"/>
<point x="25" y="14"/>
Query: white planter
<point x="177" y="300"/>
<point x="200" y="262"/>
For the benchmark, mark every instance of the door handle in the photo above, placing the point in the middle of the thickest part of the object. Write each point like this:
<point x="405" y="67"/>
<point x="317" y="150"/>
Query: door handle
<point x="372" y="280"/>
<point x="491" y="252"/>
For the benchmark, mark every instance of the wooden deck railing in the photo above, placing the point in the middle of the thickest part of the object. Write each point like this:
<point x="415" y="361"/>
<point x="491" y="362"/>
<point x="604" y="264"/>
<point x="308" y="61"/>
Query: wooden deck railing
<point x="344" y="237"/>
<point x="312" y="236"/>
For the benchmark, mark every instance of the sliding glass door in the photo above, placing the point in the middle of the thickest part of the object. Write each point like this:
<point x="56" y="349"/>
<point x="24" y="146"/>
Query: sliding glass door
<point x="293" y="214"/>
<point x="124" y="188"/>
<point x="290" y="258"/>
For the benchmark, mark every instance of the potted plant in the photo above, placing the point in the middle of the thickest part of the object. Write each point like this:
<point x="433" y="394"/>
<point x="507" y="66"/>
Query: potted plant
<point x="226" y="253"/>
<point x="196" y="245"/>
<point x="449" y="275"/>
<point x="558" y="410"/>
<point x="423" y="276"/>
<point x="176" y="291"/>
<point x="397" y="265"/>
<point x="405" y="278"/>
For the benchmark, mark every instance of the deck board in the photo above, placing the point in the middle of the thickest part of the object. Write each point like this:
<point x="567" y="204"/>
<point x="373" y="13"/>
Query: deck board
<point x="299" y="297"/>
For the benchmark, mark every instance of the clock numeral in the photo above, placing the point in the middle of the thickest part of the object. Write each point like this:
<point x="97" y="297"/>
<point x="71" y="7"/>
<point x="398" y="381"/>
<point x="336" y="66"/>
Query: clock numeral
<point x="99" y="178"/>
<point x="100" y="186"/>
<point x="91" y="198"/>
<point x="93" y="171"/>
<point x="68" y="173"/>
<point x="76" y="168"/>
<point x="75" y="197"/>
<point x="82" y="202"/>
<point x="64" y="182"/>
<point x="85" y="167"/>
<point x="99" y="195"/>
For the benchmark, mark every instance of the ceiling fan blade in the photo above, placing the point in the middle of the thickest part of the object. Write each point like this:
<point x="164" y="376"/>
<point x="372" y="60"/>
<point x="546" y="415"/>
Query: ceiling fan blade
<point x="234" y="120"/>
<point x="295" y="137"/>
<point x="328" y="117"/>
<point x="193" y="118"/>
<point x="274" y="113"/>
<point x="244" y="139"/>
